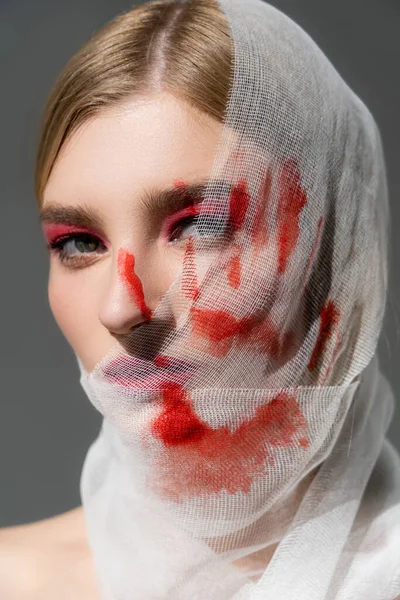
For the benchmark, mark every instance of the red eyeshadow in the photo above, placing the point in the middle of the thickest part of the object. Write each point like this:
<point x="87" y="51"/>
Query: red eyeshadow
<point x="54" y="231"/>
<point x="190" y="211"/>
<point x="172" y="220"/>
<point x="292" y="199"/>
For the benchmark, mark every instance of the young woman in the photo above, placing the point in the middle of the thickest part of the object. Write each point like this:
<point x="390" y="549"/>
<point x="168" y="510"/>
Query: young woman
<point x="214" y="200"/>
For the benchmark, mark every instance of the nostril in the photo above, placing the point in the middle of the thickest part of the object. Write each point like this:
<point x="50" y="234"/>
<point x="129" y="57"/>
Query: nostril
<point x="146" y="339"/>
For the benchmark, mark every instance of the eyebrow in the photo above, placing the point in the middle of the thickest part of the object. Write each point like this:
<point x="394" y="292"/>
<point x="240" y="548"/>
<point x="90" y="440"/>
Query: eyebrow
<point x="154" y="203"/>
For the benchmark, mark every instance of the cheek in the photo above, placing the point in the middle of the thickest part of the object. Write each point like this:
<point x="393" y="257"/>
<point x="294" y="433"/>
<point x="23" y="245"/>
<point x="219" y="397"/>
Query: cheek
<point x="76" y="315"/>
<point x="64" y="302"/>
<point x="190" y="266"/>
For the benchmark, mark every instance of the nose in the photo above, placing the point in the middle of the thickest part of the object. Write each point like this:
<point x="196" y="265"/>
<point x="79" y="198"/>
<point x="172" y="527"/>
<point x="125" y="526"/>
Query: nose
<point x="124" y="304"/>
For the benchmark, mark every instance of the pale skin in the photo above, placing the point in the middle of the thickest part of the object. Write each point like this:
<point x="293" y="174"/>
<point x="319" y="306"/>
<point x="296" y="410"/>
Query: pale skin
<point x="107" y="165"/>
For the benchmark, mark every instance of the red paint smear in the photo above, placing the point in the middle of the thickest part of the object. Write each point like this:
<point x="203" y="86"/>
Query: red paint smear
<point x="234" y="267"/>
<point x="260" y="230"/>
<point x="126" y="269"/>
<point x="239" y="199"/>
<point x="292" y="199"/>
<point x="161" y="361"/>
<point x="216" y="329"/>
<point x="220" y="328"/>
<point x="329" y="317"/>
<point x="189" y="283"/>
<point x="304" y="442"/>
<point x="199" y="459"/>
<point x="215" y="325"/>
<point x="265" y="336"/>
<point x="261" y="333"/>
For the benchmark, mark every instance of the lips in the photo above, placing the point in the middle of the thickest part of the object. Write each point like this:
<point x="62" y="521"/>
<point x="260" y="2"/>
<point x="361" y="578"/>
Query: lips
<point x="145" y="374"/>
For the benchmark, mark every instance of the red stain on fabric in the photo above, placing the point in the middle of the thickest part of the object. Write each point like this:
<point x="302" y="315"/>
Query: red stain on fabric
<point x="328" y="318"/>
<point x="199" y="459"/>
<point x="239" y="199"/>
<point x="234" y="269"/>
<point x="215" y="328"/>
<point x="189" y="283"/>
<point x="260" y="228"/>
<point x="292" y="198"/>
<point x="267" y="339"/>
<point x="219" y="329"/>
<point x="161" y="361"/>
<point x="126" y="270"/>
<point x="304" y="442"/>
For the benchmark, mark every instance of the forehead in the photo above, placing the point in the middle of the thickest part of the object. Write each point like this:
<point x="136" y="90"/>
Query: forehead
<point x="142" y="143"/>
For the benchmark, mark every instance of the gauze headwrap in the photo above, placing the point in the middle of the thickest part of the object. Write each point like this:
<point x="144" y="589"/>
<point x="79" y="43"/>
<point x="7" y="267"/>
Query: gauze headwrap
<point x="261" y="416"/>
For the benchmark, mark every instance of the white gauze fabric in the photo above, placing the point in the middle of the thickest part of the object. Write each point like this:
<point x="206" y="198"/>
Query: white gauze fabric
<point x="257" y="420"/>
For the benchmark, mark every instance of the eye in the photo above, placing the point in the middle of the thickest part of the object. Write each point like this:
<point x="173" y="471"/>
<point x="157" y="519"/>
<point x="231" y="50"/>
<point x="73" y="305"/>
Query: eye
<point x="71" y="249"/>
<point x="211" y="228"/>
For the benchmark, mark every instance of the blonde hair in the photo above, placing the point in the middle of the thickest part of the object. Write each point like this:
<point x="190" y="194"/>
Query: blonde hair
<point x="161" y="45"/>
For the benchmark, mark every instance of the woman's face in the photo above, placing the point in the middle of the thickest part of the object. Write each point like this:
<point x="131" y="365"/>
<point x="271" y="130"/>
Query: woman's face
<point x="97" y="210"/>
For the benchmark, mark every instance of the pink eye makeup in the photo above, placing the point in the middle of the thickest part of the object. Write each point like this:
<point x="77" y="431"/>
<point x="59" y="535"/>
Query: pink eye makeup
<point x="75" y="234"/>
<point x="59" y="237"/>
<point x="214" y="226"/>
<point x="55" y="231"/>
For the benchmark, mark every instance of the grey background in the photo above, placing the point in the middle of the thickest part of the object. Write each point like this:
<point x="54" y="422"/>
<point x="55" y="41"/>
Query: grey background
<point x="47" y="423"/>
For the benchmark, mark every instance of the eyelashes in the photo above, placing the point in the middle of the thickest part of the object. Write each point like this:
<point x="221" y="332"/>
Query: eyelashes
<point x="213" y="230"/>
<point x="59" y="247"/>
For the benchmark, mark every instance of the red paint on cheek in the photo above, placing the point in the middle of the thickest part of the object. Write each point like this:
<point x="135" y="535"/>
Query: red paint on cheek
<point x="239" y="199"/>
<point x="215" y="328"/>
<point x="215" y="325"/>
<point x="329" y="318"/>
<point x="234" y="267"/>
<point x="292" y="199"/>
<point x="199" y="459"/>
<point x="218" y="329"/>
<point x="126" y="270"/>
<point x="189" y="284"/>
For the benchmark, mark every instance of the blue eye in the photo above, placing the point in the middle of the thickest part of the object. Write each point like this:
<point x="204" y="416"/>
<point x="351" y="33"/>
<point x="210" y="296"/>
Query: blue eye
<point x="77" y="249"/>
<point x="84" y="243"/>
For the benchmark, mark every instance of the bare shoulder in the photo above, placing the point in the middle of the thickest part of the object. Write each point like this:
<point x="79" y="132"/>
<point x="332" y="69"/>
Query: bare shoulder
<point x="47" y="559"/>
